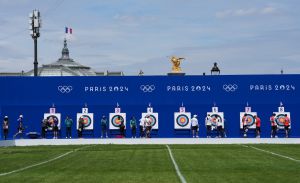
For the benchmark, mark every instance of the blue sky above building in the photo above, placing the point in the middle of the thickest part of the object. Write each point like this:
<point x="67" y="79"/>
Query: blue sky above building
<point x="244" y="37"/>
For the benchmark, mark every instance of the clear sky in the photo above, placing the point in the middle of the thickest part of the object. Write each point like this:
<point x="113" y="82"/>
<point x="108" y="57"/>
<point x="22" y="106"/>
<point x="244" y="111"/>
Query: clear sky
<point x="242" y="36"/>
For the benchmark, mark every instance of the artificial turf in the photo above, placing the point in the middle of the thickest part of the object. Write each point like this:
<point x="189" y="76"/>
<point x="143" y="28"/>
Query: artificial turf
<point x="151" y="163"/>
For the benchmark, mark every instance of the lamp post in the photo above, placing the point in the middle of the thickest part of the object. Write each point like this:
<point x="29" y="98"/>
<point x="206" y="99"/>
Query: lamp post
<point x="34" y="27"/>
<point x="215" y="69"/>
<point x="141" y="73"/>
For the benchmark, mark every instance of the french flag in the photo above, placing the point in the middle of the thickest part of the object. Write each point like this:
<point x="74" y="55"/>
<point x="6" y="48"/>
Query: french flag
<point x="68" y="30"/>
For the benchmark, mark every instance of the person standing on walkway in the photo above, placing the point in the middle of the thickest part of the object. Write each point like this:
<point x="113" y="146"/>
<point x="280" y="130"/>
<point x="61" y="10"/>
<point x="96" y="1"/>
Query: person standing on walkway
<point x="220" y="128"/>
<point x="142" y="127"/>
<point x="194" y="126"/>
<point x="148" y="126"/>
<point x="80" y="127"/>
<point x="257" y="124"/>
<point x="208" y="126"/>
<point x="287" y="123"/>
<point x="68" y="123"/>
<point x="122" y="126"/>
<point x="245" y="124"/>
<point x="20" y="128"/>
<point x="104" y="127"/>
<point x="273" y="126"/>
<point x="44" y="127"/>
<point x="5" y="127"/>
<point x="133" y="127"/>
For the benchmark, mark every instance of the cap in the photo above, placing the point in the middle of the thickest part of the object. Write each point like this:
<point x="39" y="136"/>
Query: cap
<point x="195" y="115"/>
<point x="21" y="116"/>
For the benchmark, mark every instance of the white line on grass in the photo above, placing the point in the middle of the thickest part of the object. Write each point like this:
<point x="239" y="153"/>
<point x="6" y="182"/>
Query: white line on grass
<point x="276" y="154"/>
<point x="44" y="162"/>
<point x="182" y="179"/>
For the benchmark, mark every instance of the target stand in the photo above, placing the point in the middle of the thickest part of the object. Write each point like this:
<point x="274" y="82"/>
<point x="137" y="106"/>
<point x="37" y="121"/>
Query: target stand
<point x="215" y="117"/>
<point x="53" y="117"/>
<point x="250" y="122"/>
<point x="182" y="122"/>
<point x="88" y="122"/>
<point x="115" y="120"/>
<point x="153" y="119"/>
<point x="280" y="118"/>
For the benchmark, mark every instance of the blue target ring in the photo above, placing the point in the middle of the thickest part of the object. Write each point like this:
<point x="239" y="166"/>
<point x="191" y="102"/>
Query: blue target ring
<point x="214" y="118"/>
<point x="115" y="121"/>
<point x="51" y="120"/>
<point x="153" y="120"/>
<point x="182" y="120"/>
<point x="87" y="121"/>
<point x="250" y="120"/>
<point x="280" y="119"/>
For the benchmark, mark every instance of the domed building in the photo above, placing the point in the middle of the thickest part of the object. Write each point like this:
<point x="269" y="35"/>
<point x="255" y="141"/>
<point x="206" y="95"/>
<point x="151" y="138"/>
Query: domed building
<point x="65" y="66"/>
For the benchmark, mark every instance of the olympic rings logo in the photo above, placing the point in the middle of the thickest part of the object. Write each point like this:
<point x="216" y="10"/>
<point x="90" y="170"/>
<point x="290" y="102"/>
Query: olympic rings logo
<point x="147" y="88"/>
<point x="65" y="89"/>
<point x="230" y="87"/>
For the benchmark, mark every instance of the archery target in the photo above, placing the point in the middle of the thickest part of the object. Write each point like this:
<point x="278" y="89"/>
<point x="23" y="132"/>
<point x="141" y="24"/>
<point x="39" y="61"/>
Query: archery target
<point x="52" y="117"/>
<point x="215" y="116"/>
<point x="280" y="118"/>
<point x="250" y="121"/>
<point x="182" y="120"/>
<point x="88" y="120"/>
<point x="115" y="120"/>
<point x="153" y="119"/>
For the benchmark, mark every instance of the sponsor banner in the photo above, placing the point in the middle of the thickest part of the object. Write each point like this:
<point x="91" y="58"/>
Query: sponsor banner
<point x="53" y="118"/>
<point x="88" y="120"/>
<point x="250" y="121"/>
<point x="182" y="120"/>
<point x="197" y="93"/>
<point x="115" y="120"/>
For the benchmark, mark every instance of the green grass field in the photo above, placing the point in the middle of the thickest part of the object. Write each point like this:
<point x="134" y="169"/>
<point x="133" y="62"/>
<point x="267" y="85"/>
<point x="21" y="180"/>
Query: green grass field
<point x="151" y="163"/>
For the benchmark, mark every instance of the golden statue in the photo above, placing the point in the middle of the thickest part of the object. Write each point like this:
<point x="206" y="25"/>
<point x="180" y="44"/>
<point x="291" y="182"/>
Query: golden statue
<point x="176" y="64"/>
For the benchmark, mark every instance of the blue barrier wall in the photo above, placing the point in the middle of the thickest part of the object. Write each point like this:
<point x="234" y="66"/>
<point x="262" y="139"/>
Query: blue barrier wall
<point x="32" y="97"/>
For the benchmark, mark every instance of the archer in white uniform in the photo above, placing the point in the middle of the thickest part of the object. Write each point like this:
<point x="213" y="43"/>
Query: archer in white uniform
<point x="194" y="126"/>
<point x="208" y="126"/>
